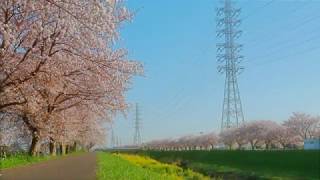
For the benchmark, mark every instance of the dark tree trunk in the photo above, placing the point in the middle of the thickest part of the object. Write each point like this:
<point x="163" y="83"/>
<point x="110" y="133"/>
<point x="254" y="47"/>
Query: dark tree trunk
<point x="267" y="146"/>
<point x="74" y="148"/>
<point x="68" y="149"/>
<point x="53" y="148"/>
<point x="60" y="148"/>
<point x="35" y="136"/>
<point x="34" y="144"/>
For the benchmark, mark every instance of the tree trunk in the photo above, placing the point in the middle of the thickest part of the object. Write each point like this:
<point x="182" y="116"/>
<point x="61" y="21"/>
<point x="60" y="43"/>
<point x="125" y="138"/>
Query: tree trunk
<point x="53" y="148"/>
<point x="35" y="136"/>
<point x="74" y="148"/>
<point x="67" y="149"/>
<point x="252" y="145"/>
<point x="63" y="149"/>
<point x="34" y="144"/>
<point x="267" y="146"/>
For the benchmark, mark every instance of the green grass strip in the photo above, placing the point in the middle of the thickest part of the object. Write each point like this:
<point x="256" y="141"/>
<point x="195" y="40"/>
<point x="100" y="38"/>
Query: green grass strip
<point x="21" y="160"/>
<point x="25" y="159"/>
<point x="163" y="168"/>
<point x="114" y="167"/>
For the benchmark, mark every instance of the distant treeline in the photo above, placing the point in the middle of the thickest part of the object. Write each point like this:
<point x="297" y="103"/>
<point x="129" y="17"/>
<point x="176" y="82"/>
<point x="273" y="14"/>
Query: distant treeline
<point x="261" y="134"/>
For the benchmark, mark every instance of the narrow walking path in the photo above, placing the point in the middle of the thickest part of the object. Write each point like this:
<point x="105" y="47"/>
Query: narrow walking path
<point x="77" y="167"/>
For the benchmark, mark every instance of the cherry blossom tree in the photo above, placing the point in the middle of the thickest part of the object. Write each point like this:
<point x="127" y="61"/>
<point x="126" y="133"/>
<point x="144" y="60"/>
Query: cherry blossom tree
<point x="209" y="141"/>
<point x="189" y="142"/>
<point x="269" y="132"/>
<point x="265" y="134"/>
<point x="317" y="132"/>
<point x="239" y="135"/>
<point x="253" y="132"/>
<point x="56" y="56"/>
<point x="302" y="125"/>
<point x="227" y="137"/>
<point x="285" y="137"/>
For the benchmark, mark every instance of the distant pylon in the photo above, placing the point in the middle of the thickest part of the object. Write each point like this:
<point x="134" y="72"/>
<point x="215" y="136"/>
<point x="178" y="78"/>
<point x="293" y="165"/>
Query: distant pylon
<point x="117" y="141"/>
<point x="113" y="140"/>
<point x="229" y="58"/>
<point x="137" y="140"/>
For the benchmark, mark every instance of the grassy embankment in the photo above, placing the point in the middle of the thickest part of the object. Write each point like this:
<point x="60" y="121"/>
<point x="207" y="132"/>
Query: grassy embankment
<point x="122" y="166"/>
<point x="25" y="159"/>
<point x="21" y="160"/>
<point x="245" y="164"/>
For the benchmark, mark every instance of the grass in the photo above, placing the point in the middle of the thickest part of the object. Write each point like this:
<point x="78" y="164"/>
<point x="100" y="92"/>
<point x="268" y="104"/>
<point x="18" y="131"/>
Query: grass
<point x="246" y="164"/>
<point x="21" y="160"/>
<point x="162" y="168"/>
<point x="114" y="167"/>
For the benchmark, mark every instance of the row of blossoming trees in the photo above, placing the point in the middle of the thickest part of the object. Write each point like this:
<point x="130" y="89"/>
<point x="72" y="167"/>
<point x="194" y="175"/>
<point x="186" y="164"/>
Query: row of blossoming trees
<point x="61" y="77"/>
<point x="252" y="135"/>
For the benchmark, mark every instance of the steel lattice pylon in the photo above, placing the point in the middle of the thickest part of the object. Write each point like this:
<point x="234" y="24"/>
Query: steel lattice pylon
<point x="229" y="58"/>
<point x="137" y="140"/>
<point x="113" y="140"/>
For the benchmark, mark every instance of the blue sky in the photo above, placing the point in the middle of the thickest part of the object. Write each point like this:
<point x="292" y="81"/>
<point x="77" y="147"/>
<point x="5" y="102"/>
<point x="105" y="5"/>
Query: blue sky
<point x="181" y="92"/>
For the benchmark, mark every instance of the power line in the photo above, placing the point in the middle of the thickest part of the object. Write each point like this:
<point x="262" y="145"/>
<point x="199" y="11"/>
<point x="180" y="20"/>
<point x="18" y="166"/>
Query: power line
<point x="290" y="27"/>
<point x="259" y="9"/>
<point x="290" y="30"/>
<point x="289" y="55"/>
<point x="276" y="51"/>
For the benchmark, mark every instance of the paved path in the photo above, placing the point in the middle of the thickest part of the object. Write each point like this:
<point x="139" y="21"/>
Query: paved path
<point x="74" y="167"/>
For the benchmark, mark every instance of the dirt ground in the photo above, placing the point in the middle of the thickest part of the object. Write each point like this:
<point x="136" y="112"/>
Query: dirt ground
<point x="77" y="167"/>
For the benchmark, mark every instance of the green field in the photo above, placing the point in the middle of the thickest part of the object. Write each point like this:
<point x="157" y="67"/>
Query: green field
<point x="123" y="166"/>
<point x="113" y="167"/>
<point x="245" y="164"/>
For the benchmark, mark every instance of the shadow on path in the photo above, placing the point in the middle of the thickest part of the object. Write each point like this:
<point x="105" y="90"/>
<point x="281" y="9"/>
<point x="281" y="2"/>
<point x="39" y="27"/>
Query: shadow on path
<point x="77" y="167"/>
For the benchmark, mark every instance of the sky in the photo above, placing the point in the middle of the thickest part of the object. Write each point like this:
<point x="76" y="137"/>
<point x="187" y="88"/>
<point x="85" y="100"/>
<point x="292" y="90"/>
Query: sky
<point x="181" y="92"/>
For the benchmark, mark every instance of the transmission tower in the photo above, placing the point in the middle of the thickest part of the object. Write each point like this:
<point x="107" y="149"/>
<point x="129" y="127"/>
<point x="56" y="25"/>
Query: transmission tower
<point x="119" y="144"/>
<point x="229" y="58"/>
<point x="137" y="126"/>
<point x="113" y="140"/>
<point x="117" y="141"/>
